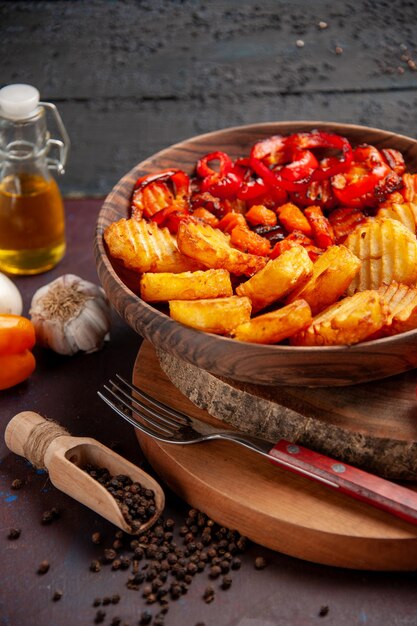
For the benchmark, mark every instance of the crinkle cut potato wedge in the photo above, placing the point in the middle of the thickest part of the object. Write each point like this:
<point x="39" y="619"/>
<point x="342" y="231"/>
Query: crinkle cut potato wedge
<point x="410" y="187"/>
<point x="144" y="247"/>
<point x="185" y="285"/>
<point x="397" y="209"/>
<point x="211" y="247"/>
<point x="279" y="276"/>
<point x="219" y="315"/>
<point x="353" y="319"/>
<point x="275" y="326"/>
<point x="332" y="274"/>
<point x="402" y="305"/>
<point x="387" y="250"/>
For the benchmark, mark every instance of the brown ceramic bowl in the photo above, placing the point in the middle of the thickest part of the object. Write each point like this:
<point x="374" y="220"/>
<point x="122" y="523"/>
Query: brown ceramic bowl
<point x="260" y="364"/>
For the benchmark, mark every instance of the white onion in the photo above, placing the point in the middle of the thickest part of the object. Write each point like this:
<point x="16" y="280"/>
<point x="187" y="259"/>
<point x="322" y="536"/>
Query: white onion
<point x="10" y="298"/>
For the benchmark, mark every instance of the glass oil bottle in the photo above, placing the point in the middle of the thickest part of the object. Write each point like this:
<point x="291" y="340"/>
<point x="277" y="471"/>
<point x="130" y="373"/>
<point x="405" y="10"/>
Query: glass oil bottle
<point x="32" y="222"/>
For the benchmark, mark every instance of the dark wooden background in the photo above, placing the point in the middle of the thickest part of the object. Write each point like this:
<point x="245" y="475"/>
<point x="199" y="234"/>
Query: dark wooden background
<point x="132" y="77"/>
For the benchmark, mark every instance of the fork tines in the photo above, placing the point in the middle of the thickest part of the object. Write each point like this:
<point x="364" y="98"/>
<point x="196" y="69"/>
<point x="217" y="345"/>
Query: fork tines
<point x="142" y="411"/>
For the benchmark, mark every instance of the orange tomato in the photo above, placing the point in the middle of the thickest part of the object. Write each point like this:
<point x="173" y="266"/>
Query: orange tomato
<point x="15" y="368"/>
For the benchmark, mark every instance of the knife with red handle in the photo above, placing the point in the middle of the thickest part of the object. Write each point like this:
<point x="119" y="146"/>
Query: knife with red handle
<point x="378" y="492"/>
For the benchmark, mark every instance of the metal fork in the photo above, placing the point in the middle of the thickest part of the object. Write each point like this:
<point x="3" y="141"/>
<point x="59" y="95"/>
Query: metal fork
<point x="166" y="424"/>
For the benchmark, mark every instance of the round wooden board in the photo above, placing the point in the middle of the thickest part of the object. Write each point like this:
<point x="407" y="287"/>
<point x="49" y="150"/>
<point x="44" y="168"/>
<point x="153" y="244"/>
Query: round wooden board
<point x="272" y="507"/>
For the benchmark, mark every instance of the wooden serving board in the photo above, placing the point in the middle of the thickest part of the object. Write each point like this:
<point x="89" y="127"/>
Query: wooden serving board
<point x="271" y="506"/>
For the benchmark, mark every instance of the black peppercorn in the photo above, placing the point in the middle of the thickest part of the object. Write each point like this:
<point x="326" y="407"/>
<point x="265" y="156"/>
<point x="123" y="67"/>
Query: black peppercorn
<point x="260" y="562"/>
<point x="95" y="566"/>
<point x="14" y="533"/>
<point x="43" y="567"/>
<point x="226" y="582"/>
<point x="208" y="595"/>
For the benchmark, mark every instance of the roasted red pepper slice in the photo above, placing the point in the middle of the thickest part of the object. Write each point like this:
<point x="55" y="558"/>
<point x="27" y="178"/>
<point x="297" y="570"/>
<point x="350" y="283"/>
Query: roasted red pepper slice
<point x="277" y="151"/>
<point x="204" y="170"/>
<point x="271" y="151"/>
<point x="301" y="168"/>
<point x="358" y="186"/>
<point x="317" y="192"/>
<point x="154" y="192"/>
<point x="319" y="139"/>
<point x="394" y="159"/>
<point x="224" y="183"/>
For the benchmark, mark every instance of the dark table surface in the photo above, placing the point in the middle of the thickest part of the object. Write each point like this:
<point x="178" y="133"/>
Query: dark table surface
<point x="286" y="591"/>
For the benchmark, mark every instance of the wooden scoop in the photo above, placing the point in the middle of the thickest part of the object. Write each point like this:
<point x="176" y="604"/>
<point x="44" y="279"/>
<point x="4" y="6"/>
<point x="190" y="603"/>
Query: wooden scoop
<point x="49" y="446"/>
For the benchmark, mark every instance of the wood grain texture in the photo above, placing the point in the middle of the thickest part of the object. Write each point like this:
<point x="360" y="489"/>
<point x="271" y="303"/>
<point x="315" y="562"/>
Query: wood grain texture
<point x="273" y="507"/>
<point x="135" y="76"/>
<point x="372" y="426"/>
<point x="263" y="364"/>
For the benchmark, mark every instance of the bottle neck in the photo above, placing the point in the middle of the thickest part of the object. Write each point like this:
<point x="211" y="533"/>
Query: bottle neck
<point x="24" y="142"/>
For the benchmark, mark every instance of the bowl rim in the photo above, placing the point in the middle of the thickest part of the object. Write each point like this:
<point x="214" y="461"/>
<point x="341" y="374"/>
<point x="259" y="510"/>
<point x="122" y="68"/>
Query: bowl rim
<point x="190" y="333"/>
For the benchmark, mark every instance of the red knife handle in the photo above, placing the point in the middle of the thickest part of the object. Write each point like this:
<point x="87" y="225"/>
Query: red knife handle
<point x="352" y="481"/>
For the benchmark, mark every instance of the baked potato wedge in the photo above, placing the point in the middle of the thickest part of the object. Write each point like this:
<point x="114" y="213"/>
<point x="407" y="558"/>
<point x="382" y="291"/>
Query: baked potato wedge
<point x="388" y="252"/>
<point x="217" y="315"/>
<point x="404" y="212"/>
<point x="277" y="278"/>
<point x="353" y="319"/>
<point x="410" y="187"/>
<point x="144" y="247"/>
<point x="164" y="286"/>
<point x="402" y="306"/>
<point x="211" y="247"/>
<point x="332" y="274"/>
<point x="275" y="326"/>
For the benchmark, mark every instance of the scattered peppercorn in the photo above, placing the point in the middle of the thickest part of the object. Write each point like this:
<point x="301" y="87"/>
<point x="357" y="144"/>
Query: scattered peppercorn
<point x="226" y="582"/>
<point x="324" y="610"/>
<point x="50" y="516"/>
<point x="14" y="533"/>
<point x="96" y="538"/>
<point x="100" y="616"/>
<point x="260" y="562"/>
<point x="208" y="595"/>
<point x="95" y="566"/>
<point x="57" y="595"/>
<point x="145" y="618"/>
<point x="43" y="567"/>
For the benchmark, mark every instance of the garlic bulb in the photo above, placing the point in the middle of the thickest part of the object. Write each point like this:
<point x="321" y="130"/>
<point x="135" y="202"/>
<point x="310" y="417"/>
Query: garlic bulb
<point x="10" y="298"/>
<point x="70" y="314"/>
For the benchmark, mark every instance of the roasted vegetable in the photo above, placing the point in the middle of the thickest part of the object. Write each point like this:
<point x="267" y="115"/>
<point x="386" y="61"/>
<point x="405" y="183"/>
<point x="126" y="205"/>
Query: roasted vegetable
<point x="185" y="286"/>
<point x="277" y="278"/>
<point x="402" y="306"/>
<point x="210" y="247"/>
<point x="387" y="251"/>
<point x="332" y="274"/>
<point x="145" y="247"/>
<point x="347" y="322"/>
<point x="275" y="326"/>
<point x="219" y="315"/>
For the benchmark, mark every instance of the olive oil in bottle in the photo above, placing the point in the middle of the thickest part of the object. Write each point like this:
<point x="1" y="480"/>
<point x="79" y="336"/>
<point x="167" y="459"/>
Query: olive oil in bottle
<point x="32" y="223"/>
